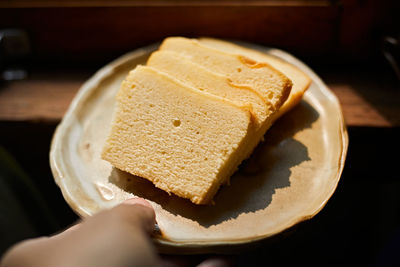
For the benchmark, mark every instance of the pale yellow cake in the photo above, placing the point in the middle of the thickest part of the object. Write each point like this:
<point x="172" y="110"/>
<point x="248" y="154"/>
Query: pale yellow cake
<point x="193" y="114"/>
<point x="183" y="140"/>
<point x="300" y="80"/>
<point x="201" y="78"/>
<point x="271" y="84"/>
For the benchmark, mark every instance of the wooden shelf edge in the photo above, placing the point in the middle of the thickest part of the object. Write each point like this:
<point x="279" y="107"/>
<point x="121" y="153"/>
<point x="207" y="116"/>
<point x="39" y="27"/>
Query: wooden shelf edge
<point x="160" y="3"/>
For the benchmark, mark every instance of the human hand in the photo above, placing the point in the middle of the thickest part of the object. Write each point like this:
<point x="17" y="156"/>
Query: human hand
<point x="116" y="237"/>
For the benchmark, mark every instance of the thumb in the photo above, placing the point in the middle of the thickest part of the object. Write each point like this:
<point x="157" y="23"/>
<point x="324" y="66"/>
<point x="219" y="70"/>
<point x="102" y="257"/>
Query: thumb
<point x="137" y="212"/>
<point x="122" y="230"/>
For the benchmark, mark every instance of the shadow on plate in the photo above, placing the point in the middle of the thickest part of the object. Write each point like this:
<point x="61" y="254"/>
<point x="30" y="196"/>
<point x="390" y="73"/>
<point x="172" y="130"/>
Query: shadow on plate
<point x="253" y="185"/>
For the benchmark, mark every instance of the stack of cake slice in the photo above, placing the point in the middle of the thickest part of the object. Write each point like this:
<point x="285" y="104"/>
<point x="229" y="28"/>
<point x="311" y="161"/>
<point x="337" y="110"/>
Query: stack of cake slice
<point x="196" y="111"/>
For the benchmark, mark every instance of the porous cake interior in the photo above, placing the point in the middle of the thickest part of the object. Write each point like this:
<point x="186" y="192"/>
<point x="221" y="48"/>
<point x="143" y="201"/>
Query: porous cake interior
<point x="201" y="78"/>
<point x="183" y="140"/>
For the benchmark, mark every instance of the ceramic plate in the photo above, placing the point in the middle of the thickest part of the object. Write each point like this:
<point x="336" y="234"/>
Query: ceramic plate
<point x="288" y="179"/>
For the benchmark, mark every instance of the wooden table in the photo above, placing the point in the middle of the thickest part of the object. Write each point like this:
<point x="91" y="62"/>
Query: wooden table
<point x="367" y="98"/>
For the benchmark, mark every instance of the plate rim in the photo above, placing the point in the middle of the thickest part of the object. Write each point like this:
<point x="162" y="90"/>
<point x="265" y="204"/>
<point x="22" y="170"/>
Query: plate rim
<point x="192" y="246"/>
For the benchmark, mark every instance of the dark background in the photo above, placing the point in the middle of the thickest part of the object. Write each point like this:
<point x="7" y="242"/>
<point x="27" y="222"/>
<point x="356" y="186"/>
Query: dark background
<point x="360" y="225"/>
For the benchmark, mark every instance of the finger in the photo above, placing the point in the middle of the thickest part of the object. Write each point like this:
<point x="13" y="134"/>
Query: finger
<point x="71" y="228"/>
<point x="138" y="201"/>
<point x="137" y="212"/>
<point x="131" y="201"/>
<point x="121" y="230"/>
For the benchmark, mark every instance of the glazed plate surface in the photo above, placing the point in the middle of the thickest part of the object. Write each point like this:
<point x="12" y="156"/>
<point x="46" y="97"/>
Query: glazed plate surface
<point x="288" y="179"/>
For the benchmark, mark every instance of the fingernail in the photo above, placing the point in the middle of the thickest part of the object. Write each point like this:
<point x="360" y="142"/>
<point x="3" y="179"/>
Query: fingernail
<point x="138" y="201"/>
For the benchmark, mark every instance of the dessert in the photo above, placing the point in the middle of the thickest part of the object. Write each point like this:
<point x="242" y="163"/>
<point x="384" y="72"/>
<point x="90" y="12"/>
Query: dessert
<point x="172" y="135"/>
<point x="197" y="110"/>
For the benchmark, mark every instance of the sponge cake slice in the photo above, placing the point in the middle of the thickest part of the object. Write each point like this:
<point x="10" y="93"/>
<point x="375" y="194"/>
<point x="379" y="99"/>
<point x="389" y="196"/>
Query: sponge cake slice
<point x="172" y="135"/>
<point x="273" y="86"/>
